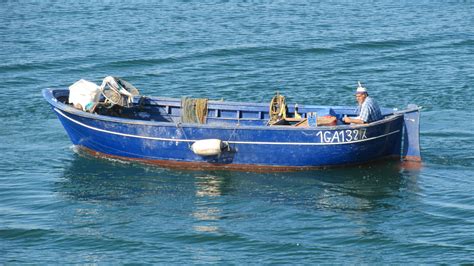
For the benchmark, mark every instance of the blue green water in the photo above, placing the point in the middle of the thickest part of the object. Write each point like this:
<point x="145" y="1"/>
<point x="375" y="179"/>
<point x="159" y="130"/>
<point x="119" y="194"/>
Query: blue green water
<point x="57" y="206"/>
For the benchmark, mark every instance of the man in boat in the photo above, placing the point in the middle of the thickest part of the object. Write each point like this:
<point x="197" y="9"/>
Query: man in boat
<point x="368" y="110"/>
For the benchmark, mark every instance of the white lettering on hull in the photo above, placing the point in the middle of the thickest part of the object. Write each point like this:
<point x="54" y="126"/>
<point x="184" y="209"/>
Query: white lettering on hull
<point x="342" y="136"/>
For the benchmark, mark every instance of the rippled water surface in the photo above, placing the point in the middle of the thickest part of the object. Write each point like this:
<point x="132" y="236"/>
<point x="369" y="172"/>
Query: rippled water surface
<point x="57" y="206"/>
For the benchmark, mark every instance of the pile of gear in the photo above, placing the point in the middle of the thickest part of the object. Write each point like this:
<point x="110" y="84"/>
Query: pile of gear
<point x="118" y="91"/>
<point x="85" y="95"/>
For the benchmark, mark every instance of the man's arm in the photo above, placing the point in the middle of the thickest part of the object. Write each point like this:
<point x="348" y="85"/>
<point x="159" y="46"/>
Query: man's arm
<point x="349" y="120"/>
<point x="362" y="118"/>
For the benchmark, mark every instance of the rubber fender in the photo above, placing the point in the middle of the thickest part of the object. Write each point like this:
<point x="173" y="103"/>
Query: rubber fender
<point x="207" y="147"/>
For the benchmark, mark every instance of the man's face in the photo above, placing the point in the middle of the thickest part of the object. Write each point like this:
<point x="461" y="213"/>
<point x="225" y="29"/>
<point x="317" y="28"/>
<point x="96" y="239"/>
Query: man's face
<point x="360" y="97"/>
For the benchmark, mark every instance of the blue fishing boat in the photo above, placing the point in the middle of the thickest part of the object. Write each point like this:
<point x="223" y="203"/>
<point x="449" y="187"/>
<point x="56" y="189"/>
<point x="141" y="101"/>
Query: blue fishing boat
<point x="204" y="134"/>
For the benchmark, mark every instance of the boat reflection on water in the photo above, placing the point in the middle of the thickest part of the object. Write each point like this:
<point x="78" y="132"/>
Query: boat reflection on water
<point x="353" y="191"/>
<point x="207" y="208"/>
<point x="357" y="188"/>
<point x="206" y="198"/>
<point x="211" y="185"/>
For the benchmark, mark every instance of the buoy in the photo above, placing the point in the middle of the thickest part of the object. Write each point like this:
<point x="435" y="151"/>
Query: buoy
<point x="208" y="147"/>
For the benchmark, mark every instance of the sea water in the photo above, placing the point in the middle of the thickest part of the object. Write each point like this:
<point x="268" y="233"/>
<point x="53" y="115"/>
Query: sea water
<point x="58" y="206"/>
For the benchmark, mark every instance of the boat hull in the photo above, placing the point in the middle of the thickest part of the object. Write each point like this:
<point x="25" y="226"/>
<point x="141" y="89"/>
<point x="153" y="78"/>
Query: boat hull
<point x="279" y="148"/>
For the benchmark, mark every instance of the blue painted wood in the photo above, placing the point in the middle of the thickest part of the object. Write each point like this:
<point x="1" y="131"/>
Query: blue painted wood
<point x="241" y="125"/>
<point x="411" y="137"/>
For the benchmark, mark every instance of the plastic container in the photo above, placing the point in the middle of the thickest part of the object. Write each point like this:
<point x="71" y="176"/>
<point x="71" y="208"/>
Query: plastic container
<point x="312" y="119"/>
<point x="82" y="93"/>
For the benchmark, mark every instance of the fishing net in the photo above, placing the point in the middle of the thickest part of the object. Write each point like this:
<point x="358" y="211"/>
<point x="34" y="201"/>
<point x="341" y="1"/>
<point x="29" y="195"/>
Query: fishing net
<point x="193" y="110"/>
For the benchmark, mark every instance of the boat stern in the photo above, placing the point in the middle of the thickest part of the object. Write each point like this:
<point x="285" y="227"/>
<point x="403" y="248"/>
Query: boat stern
<point x="411" y="134"/>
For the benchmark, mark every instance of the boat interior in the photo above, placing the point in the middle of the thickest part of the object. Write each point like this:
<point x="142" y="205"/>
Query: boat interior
<point x="161" y="109"/>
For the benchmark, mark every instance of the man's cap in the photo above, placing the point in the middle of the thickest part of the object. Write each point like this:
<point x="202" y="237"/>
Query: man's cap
<point x="360" y="89"/>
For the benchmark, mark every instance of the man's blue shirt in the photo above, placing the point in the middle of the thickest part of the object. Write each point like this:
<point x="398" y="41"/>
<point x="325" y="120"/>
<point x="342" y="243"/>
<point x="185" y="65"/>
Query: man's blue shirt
<point x="369" y="111"/>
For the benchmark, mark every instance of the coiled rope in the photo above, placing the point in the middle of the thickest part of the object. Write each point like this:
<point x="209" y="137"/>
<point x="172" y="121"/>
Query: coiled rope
<point x="277" y="109"/>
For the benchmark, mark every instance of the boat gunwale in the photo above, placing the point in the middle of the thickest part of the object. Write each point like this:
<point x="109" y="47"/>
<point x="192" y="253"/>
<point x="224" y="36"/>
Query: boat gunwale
<point x="48" y="95"/>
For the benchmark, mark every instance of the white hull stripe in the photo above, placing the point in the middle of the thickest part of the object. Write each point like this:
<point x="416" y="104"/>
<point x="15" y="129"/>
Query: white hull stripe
<point x="233" y="142"/>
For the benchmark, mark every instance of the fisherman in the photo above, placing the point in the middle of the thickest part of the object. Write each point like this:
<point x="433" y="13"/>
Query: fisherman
<point x="368" y="110"/>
